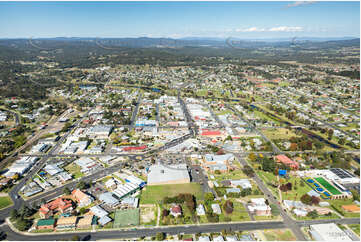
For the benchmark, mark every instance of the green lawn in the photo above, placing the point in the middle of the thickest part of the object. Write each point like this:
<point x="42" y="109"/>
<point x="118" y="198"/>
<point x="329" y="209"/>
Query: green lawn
<point x="5" y="202"/>
<point x="74" y="170"/>
<point x="269" y="177"/>
<point x="154" y="194"/>
<point x="279" y="235"/>
<point x="338" y="203"/>
<point x="232" y="175"/>
<point x="279" y="133"/>
<point x="224" y="112"/>
<point x="327" y="185"/>
<point x="355" y="228"/>
<point x="239" y="213"/>
<point x="125" y="218"/>
<point x="295" y="194"/>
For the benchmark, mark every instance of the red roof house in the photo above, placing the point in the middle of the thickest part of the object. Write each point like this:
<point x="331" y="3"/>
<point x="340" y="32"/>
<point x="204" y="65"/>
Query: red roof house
<point x="287" y="161"/>
<point x="58" y="205"/>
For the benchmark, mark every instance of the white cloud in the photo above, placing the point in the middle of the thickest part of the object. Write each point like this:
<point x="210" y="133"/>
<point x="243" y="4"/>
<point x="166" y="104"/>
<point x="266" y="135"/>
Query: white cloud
<point x="299" y="3"/>
<point x="274" y="29"/>
<point x="286" y="29"/>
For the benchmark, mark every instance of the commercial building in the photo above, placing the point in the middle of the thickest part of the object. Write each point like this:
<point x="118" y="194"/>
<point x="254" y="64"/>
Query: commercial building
<point x="85" y="222"/>
<point x="45" y="224"/>
<point x="328" y="232"/>
<point x="174" y="174"/>
<point x="66" y="223"/>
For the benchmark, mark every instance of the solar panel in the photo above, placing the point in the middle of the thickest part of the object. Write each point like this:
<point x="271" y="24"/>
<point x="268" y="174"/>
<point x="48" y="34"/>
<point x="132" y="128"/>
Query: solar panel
<point x="341" y="173"/>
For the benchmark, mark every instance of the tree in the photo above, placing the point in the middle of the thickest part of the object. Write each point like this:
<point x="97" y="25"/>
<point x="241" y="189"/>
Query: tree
<point x="252" y="157"/>
<point x="22" y="224"/>
<point x="274" y="210"/>
<point x="248" y="171"/>
<point x="330" y="134"/>
<point x="81" y="185"/>
<point x="315" y="200"/>
<point x="209" y="196"/>
<point x="14" y="214"/>
<point x="246" y="192"/>
<point x="66" y="191"/>
<point x="306" y="199"/>
<point x="82" y="211"/>
<point x="160" y="236"/>
<point x="313" y="214"/>
<point x="341" y="141"/>
<point x="355" y="195"/>
<point x="293" y="147"/>
<point x="165" y="213"/>
<point x="228" y="207"/>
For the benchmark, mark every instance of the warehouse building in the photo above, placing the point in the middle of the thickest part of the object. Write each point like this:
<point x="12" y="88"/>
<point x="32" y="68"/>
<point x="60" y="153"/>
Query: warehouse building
<point x="328" y="232"/>
<point x="175" y="174"/>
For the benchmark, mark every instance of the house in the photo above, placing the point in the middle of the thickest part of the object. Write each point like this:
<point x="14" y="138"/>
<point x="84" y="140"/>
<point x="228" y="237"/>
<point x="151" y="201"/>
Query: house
<point x="231" y="238"/>
<point x="52" y="169"/>
<point x="45" y="224"/>
<point x="216" y="208"/>
<point x="233" y="190"/>
<point x="58" y="205"/>
<point x="218" y="238"/>
<point x="300" y="212"/>
<point x="66" y="223"/>
<point x="200" y="210"/>
<point x="287" y="161"/>
<point x="204" y="238"/>
<point x="82" y="198"/>
<point x="87" y="164"/>
<point x="101" y="214"/>
<point x="244" y="183"/>
<point x="259" y="207"/>
<point x="108" y="199"/>
<point x="176" y="210"/>
<point x="85" y="222"/>
<point x="290" y="204"/>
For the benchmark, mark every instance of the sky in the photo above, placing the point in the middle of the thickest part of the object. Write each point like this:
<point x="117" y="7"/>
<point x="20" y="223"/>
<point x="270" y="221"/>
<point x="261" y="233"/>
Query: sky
<point x="179" y="19"/>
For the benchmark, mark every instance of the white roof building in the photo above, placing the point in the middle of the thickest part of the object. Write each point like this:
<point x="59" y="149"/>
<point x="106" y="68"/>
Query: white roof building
<point x="328" y="232"/>
<point x="200" y="210"/>
<point x="174" y="174"/>
<point x="216" y="208"/>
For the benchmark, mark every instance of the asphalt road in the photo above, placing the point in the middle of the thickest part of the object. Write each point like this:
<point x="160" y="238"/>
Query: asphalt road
<point x="171" y="230"/>
<point x="268" y="194"/>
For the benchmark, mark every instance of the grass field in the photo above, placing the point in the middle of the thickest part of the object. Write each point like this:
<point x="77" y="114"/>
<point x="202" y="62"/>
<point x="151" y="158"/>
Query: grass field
<point x="279" y="133"/>
<point x="327" y="185"/>
<point x="74" y="170"/>
<point x="279" y="235"/>
<point x="295" y="194"/>
<point x="338" y="205"/>
<point x="127" y="217"/>
<point x="154" y="194"/>
<point x="355" y="228"/>
<point x="5" y="202"/>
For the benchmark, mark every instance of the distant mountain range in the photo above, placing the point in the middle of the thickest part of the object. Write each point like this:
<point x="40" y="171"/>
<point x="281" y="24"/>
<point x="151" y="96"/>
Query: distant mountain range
<point x="145" y="42"/>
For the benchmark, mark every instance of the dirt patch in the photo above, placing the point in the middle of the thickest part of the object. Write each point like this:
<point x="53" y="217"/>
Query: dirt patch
<point x="147" y="213"/>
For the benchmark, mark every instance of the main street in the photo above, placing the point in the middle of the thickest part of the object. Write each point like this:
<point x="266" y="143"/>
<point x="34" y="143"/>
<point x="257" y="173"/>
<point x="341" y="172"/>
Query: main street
<point x="171" y="230"/>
